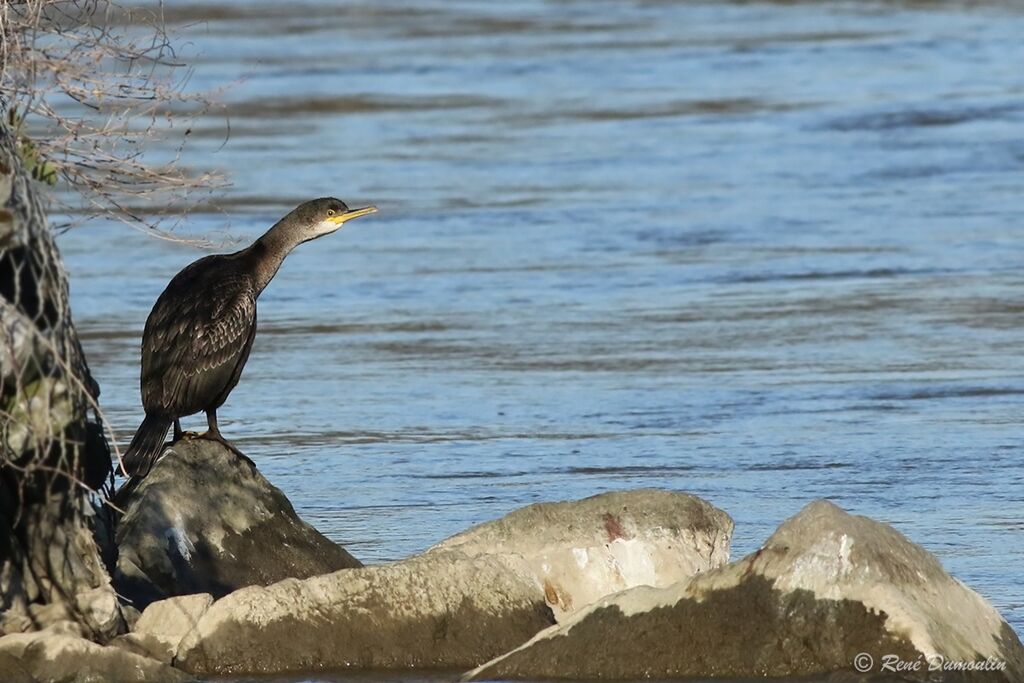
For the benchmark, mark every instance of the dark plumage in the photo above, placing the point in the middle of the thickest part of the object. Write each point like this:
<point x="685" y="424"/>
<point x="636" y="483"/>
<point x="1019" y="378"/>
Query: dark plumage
<point x="200" y="331"/>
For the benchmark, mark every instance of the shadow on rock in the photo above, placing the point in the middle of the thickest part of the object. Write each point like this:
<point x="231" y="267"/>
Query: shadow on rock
<point x="206" y="521"/>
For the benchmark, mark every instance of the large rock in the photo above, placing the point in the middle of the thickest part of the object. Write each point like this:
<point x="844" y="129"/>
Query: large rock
<point x="828" y="592"/>
<point x="462" y="602"/>
<point x="580" y="551"/>
<point x="48" y="657"/>
<point x="443" y="610"/>
<point x="205" y="521"/>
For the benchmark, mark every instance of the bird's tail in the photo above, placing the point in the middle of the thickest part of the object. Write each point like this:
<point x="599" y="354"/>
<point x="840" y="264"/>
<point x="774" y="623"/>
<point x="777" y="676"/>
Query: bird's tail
<point x="145" y="448"/>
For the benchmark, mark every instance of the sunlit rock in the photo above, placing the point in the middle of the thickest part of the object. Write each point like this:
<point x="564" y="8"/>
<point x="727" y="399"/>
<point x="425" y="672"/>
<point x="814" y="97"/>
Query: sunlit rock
<point x="439" y="611"/>
<point x="580" y="551"/>
<point x="163" y="625"/>
<point x="174" y="618"/>
<point x="53" y="657"/>
<point x="206" y="521"/>
<point x="828" y="592"/>
<point x="468" y="598"/>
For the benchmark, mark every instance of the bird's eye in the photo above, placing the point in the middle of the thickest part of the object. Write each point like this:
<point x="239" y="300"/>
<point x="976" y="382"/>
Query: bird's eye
<point x="330" y="212"/>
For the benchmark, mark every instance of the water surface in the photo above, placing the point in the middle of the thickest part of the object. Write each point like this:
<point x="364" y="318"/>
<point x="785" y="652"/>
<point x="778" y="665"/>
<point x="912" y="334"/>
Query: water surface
<point x="760" y="252"/>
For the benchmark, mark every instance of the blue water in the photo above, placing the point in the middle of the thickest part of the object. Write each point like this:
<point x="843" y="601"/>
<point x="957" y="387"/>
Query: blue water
<point x="759" y="252"/>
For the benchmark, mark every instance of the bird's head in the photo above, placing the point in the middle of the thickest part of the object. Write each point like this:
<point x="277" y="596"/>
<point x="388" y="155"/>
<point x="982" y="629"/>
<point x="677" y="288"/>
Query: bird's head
<point x="323" y="216"/>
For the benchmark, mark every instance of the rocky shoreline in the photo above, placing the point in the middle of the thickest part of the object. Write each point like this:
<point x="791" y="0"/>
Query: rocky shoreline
<point x="226" y="580"/>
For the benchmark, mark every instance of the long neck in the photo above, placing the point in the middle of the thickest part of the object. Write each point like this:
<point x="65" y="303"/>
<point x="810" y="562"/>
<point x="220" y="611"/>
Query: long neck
<point x="268" y="252"/>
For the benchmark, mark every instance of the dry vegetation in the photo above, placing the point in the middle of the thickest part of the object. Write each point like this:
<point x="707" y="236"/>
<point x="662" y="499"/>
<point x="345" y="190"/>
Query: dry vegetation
<point x="86" y="86"/>
<point x="89" y="85"/>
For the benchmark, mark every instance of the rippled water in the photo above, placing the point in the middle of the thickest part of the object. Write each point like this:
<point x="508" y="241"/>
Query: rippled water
<point x="758" y="252"/>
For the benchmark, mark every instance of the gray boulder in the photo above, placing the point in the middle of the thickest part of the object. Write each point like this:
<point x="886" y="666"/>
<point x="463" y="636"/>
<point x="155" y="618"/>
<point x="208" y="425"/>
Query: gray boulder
<point x="580" y="551"/>
<point x="828" y="592"/>
<point x="205" y="521"/>
<point x="460" y="603"/>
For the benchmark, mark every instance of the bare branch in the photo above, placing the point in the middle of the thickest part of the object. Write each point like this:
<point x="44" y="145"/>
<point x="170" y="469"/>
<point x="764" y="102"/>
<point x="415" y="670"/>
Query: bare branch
<point x="92" y="84"/>
<point x="86" y="87"/>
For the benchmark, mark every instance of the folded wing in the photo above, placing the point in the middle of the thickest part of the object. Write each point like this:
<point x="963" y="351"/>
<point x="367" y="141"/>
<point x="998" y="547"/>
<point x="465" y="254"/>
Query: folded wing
<point x="196" y="340"/>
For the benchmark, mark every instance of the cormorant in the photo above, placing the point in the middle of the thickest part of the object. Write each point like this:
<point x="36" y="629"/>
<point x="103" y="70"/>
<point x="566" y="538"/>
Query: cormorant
<point x="200" y="331"/>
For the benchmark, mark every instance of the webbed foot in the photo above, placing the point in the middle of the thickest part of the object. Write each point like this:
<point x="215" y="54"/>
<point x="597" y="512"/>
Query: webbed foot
<point x="216" y="436"/>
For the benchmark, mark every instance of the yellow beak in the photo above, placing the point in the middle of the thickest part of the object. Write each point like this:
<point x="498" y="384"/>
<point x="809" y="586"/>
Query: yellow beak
<point x="354" y="213"/>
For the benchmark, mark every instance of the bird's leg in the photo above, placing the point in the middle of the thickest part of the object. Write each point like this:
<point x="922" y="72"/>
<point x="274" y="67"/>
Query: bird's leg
<point x="213" y="433"/>
<point x="179" y="433"/>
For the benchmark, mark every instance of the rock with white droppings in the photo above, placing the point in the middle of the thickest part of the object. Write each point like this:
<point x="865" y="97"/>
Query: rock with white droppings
<point x="580" y="551"/>
<point x="827" y="592"/>
<point x="205" y="521"/>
